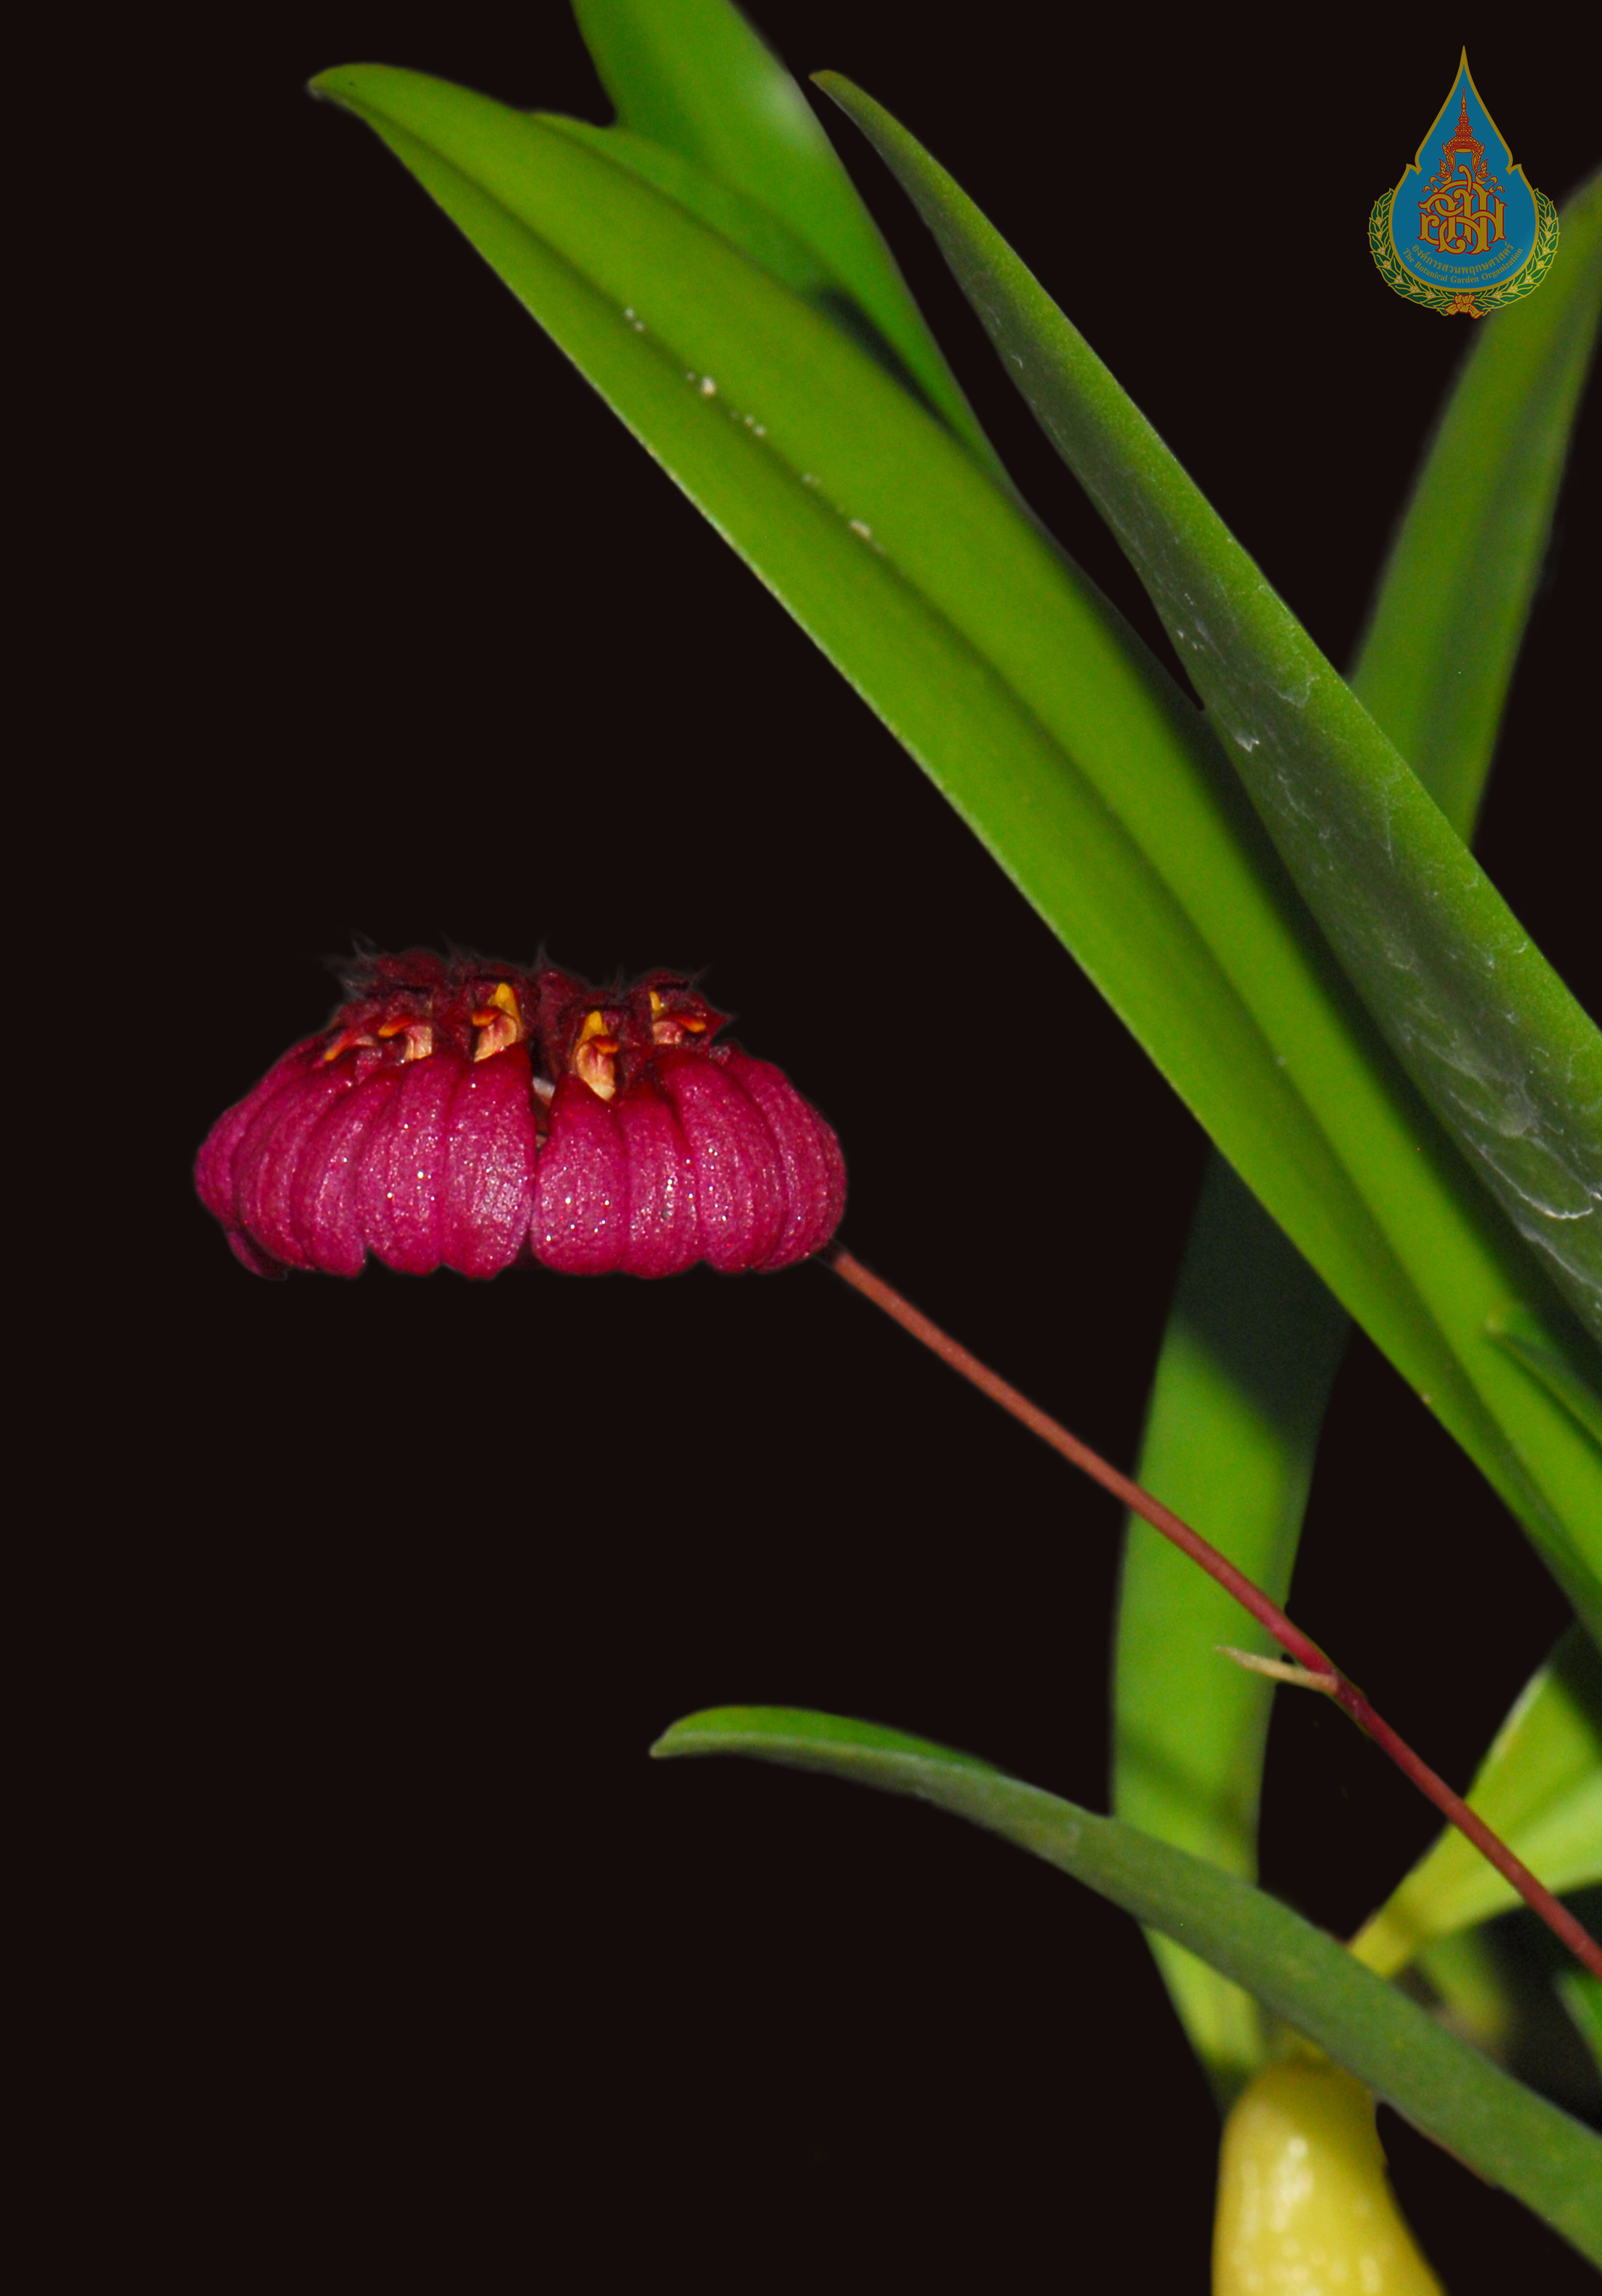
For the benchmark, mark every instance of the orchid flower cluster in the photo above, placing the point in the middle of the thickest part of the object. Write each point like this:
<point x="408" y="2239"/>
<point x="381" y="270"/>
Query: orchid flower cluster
<point x="1265" y="888"/>
<point x="465" y="1113"/>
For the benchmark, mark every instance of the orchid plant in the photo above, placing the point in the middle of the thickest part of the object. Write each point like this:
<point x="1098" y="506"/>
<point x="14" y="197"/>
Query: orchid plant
<point x="1276" y="895"/>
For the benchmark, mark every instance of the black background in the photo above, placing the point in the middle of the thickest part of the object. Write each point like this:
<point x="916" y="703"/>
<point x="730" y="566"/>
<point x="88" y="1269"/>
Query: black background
<point x="445" y="1973"/>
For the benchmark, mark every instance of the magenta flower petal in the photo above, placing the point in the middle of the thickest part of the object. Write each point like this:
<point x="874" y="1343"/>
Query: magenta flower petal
<point x="459" y="1110"/>
<point x="580" y="1221"/>
<point x="664" y="1230"/>
<point x="813" y="1166"/>
<point x="323" y="1202"/>
<point x="270" y="1155"/>
<point x="489" y="1164"/>
<point x="251" y="1256"/>
<point x="401" y="1175"/>
<point x="214" y="1166"/>
<point x="739" y="1182"/>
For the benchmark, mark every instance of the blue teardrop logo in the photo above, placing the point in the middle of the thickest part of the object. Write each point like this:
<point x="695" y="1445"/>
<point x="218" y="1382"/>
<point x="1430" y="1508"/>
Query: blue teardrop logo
<point x="1462" y="231"/>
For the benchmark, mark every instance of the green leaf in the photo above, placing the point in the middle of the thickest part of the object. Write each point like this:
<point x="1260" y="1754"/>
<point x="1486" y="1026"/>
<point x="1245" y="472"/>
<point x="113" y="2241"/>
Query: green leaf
<point x="1503" y="1986"/>
<point x="1534" y="1345"/>
<point x="1582" y="1995"/>
<point x="1504" y="2131"/>
<point x="1253" y="1339"/>
<point x="1473" y="1989"/>
<point x="1499" y="1048"/>
<point x="1248" y="1358"/>
<point x="1051" y="729"/>
<point x="1539" y="1788"/>
<point x="695" y="81"/>
<point x="1470" y="552"/>
<point x="755" y="230"/>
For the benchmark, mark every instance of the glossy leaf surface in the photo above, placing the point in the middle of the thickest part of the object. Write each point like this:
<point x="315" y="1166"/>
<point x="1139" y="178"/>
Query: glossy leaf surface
<point x="1043" y="719"/>
<point x="1511" y="2135"/>
<point x="1252" y="1344"/>
<point x="1497" y="1043"/>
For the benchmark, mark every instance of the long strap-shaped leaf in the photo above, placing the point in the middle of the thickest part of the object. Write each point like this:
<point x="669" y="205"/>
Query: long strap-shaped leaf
<point x="1438" y="656"/>
<point x="1253" y="1339"/>
<point x="1505" y="2131"/>
<point x="1033" y="707"/>
<point x="1248" y="1359"/>
<point x="1498" y="1046"/>
<point x="694" y="80"/>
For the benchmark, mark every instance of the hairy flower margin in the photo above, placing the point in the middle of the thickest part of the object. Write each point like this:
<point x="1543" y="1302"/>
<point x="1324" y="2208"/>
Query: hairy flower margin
<point x="461" y="1112"/>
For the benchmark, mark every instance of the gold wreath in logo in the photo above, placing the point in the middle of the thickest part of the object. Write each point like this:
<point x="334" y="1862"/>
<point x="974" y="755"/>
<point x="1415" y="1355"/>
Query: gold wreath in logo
<point x="1450" y="300"/>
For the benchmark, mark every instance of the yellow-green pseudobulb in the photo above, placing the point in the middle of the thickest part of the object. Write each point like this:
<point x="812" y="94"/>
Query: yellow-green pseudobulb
<point x="1305" y="2207"/>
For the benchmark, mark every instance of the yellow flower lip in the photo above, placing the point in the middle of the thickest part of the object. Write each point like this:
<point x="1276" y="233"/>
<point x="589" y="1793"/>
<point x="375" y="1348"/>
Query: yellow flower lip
<point x="594" y="1056"/>
<point x="500" y="1019"/>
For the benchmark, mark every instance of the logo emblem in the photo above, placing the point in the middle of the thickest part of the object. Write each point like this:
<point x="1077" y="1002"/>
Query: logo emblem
<point x="1464" y="231"/>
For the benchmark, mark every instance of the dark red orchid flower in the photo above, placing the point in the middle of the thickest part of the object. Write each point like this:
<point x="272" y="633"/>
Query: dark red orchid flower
<point x="465" y="1113"/>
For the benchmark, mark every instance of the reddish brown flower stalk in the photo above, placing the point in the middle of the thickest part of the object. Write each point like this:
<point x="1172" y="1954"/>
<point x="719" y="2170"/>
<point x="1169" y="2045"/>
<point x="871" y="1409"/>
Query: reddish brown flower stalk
<point x="1325" y="1675"/>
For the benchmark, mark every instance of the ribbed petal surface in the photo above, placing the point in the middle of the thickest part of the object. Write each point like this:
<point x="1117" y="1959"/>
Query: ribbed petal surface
<point x="813" y="1166"/>
<point x="269" y="1158"/>
<point x="324" y="1203"/>
<point x="489" y="1164"/>
<point x="664" y="1230"/>
<point x="400" y="1183"/>
<point x="214" y="1166"/>
<point x="739" y="1191"/>
<point x="582" y="1186"/>
<point x="402" y="1130"/>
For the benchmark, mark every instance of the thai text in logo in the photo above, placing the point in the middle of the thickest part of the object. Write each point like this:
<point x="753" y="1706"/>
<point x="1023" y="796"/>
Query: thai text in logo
<point x="1462" y="231"/>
